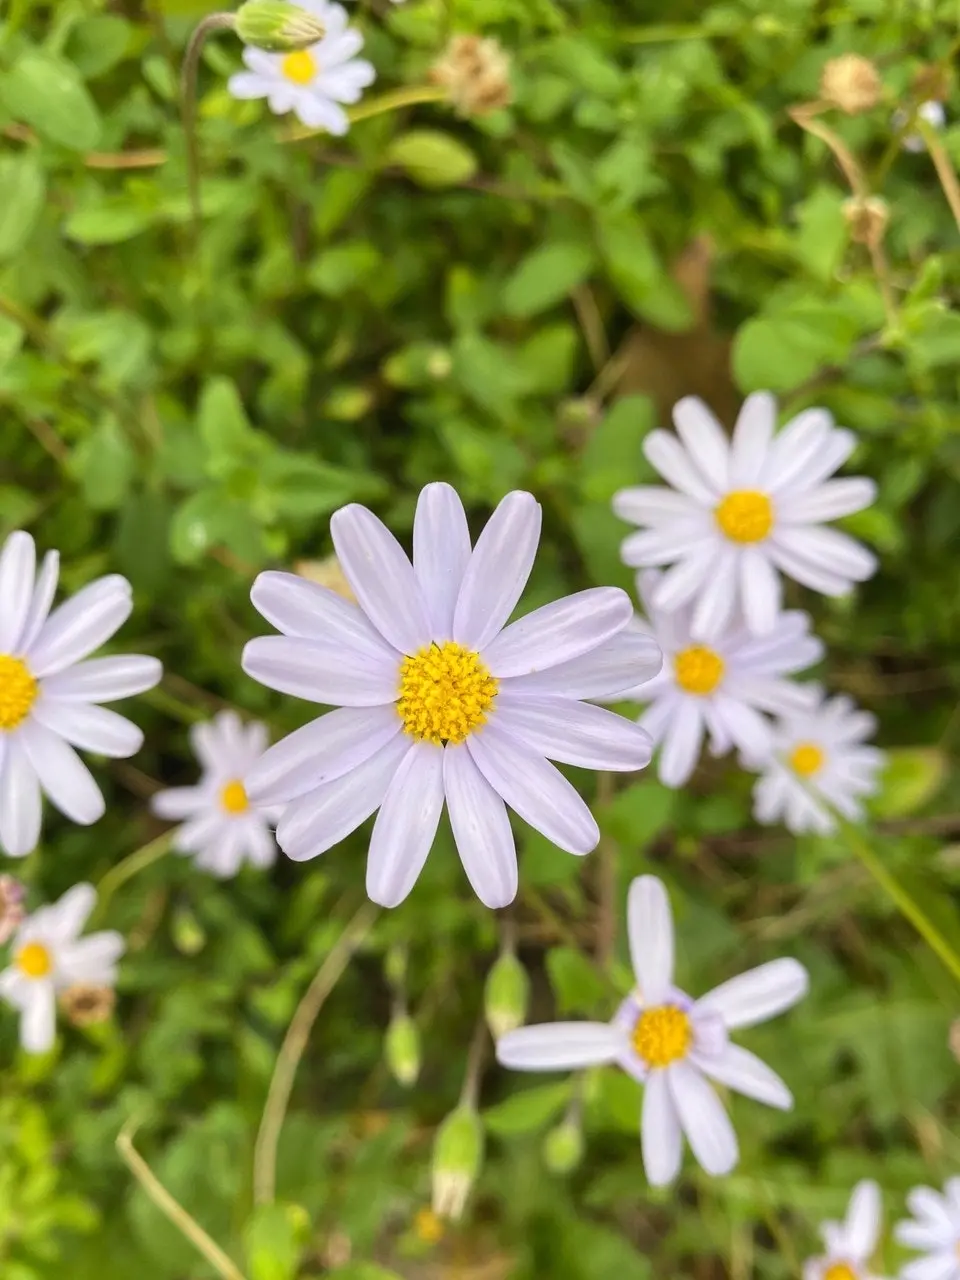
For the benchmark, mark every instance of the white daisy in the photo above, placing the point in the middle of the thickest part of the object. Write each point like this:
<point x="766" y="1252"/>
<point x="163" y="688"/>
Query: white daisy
<point x="818" y="763"/>
<point x="47" y="694"/>
<point x="671" y="1043"/>
<point x="850" y="1244"/>
<point x="440" y="701"/>
<point x="311" y="82"/>
<point x="222" y="829"/>
<point x="719" y="689"/>
<point x="744" y="511"/>
<point x="934" y="1230"/>
<point x="933" y="112"/>
<point x="49" y="956"/>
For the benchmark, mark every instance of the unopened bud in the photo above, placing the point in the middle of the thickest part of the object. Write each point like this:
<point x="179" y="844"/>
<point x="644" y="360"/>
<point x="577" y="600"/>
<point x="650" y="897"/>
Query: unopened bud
<point x="852" y="83"/>
<point x="457" y="1160"/>
<point x="506" y="996"/>
<point x="188" y="935"/>
<point x="476" y="75"/>
<point x="395" y="966"/>
<point x="402" y="1049"/>
<point x="563" y="1147"/>
<point x="277" y="26"/>
<point x="867" y="218"/>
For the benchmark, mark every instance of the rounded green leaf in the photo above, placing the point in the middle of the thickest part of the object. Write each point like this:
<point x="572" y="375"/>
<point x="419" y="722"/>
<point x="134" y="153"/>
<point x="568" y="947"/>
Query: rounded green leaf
<point x="48" y="94"/>
<point x="432" y="158"/>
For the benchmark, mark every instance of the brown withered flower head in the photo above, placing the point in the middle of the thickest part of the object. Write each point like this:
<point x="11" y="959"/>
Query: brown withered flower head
<point x="11" y="907"/>
<point x="852" y="83"/>
<point x="476" y="75"/>
<point x="867" y="218"/>
<point x="85" y="1004"/>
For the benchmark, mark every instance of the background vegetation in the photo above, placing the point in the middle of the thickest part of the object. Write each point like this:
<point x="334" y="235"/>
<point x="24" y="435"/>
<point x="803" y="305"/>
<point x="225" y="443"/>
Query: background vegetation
<point x="511" y="301"/>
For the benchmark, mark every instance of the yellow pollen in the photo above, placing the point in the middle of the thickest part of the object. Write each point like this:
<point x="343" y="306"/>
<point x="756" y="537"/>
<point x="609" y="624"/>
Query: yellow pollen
<point x="698" y="670"/>
<point x="840" y="1271"/>
<point x="806" y="759"/>
<point x="18" y="691"/>
<point x="427" y="1226"/>
<point x="33" y="960"/>
<point x="299" y="67"/>
<point x="445" y="692"/>
<point x="233" y="797"/>
<point x="745" y="515"/>
<point x="662" y="1035"/>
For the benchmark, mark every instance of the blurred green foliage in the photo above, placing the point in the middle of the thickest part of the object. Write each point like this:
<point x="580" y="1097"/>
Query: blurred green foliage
<point x="439" y="298"/>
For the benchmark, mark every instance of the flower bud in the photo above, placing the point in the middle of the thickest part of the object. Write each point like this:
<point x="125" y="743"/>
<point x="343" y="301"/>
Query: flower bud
<point x="475" y="74"/>
<point x="277" y="26"/>
<point x="506" y="996"/>
<point x="395" y="966"/>
<point x="457" y="1160"/>
<point x="867" y="218"/>
<point x="852" y="83"/>
<point x="563" y="1147"/>
<point x="402" y="1049"/>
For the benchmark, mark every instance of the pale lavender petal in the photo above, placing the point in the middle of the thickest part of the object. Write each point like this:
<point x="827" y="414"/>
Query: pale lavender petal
<point x="38" y="1020"/>
<point x="538" y="792"/>
<point x="91" y="959"/>
<point x="308" y="611"/>
<point x="560" y="1046"/>
<point x="681" y="743"/>
<point x="104" y="679"/>
<point x="660" y="1136"/>
<point x="794" y="448"/>
<point x="498" y="570"/>
<point x="63" y="775"/>
<point x="18" y="561"/>
<point x="441" y="552"/>
<point x="665" y="452"/>
<point x="751" y="439"/>
<point x="67" y="916"/>
<point x="805" y="571"/>
<point x="744" y="1072"/>
<point x="830" y="501"/>
<point x="618" y="666"/>
<point x="703" y="1119"/>
<point x="201" y="831"/>
<point x="650" y="933"/>
<point x="406" y="825"/>
<point x="936" y="1266"/>
<point x="761" y="591"/>
<point x="705" y="440"/>
<point x="862" y="1224"/>
<point x="381" y="576"/>
<point x="81" y="625"/>
<point x="666" y="544"/>
<point x="679" y="585"/>
<point x="20" y="807"/>
<point x="481" y="829"/>
<point x="758" y="994"/>
<point x="829" y="549"/>
<point x="558" y="632"/>
<point x="176" y="803"/>
<point x="717" y="601"/>
<point x="574" y="733"/>
<point x="247" y="84"/>
<point x="89" y="727"/>
<point x="45" y="588"/>
<point x="832" y="454"/>
<point x="652" y="504"/>
<point x="314" y="111"/>
<point x="321" y="671"/>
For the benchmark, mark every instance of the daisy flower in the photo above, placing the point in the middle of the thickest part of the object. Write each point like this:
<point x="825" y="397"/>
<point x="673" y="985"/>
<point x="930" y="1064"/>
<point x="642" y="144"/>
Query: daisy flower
<point x="933" y="112"/>
<point x="744" y="511"/>
<point x="672" y="1043"/>
<point x="850" y="1244"/>
<point x="441" y="701"/>
<point x="312" y="82"/>
<point x="719" y="689"/>
<point x="934" y="1230"/>
<point x="48" y="694"/>
<point x="221" y="830"/>
<point x="49" y="957"/>
<point x="818" y="762"/>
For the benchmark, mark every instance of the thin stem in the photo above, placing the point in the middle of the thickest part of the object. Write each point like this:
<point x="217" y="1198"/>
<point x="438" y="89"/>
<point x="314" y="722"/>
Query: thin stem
<point x="476" y="1056"/>
<point x="165" y="1202"/>
<point x="901" y="899"/>
<point x="409" y="96"/>
<point x="291" y="1051"/>
<point x="188" y="102"/>
<point x="607" y="857"/>
<point x="942" y="164"/>
<point x="131" y="866"/>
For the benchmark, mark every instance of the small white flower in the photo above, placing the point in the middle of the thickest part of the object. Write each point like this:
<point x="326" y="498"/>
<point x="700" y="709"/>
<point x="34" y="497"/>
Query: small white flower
<point x="48" y="695"/>
<point x="49" y="956"/>
<point x="818" y="755"/>
<point x="672" y="1043"/>
<point x="439" y="700"/>
<point x="933" y="112"/>
<point x="850" y="1244"/>
<point x="934" y="1230"/>
<point x="222" y="829"/>
<point x="314" y="81"/>
<point x="719" y="689"/>
<point x="744" y="511"/>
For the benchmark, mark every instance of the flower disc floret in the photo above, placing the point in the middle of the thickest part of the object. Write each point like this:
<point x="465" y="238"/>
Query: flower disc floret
<point x="662" y="1035"/>
<point x="18" y="691"/>
<point x="746" y="515"/>
<point x="34" y="961"/>
<point x="445" y="693"/>
<point x="698" y="670"/>
<point x="233" y="797"/>
<point x="807" y="759"/>
<point x="299" y="67"/>
<point x="840" y="1271"/>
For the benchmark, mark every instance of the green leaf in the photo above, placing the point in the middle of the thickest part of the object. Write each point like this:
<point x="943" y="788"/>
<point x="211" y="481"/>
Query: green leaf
<point x="23" y="185"/>
<point x="432" y="158"/>
<point x="344" y="267"/>
<point x="104" y="463"/>
<point x="638" y="275"/>
<point x="823" y="233"/>
<point x="273" y="1240"/>
<point x="527" y="1110"/>
<point x="223" y="425"/>
<point x="638" y="814"/>
<point x="108" y="221"/>
<point x="779" y="352"/>
<point x="546" y="276"/>
<point x="576" y="983"/>
<point x="46" y="92"/>
<point x="911" y="778"/>
<point x="613" y="456"/>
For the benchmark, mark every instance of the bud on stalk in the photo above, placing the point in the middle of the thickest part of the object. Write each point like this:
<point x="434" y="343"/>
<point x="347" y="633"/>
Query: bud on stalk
<point x="277" y="26"/>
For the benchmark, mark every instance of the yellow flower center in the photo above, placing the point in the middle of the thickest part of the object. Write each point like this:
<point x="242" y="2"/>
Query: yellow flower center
<point x="18" y="691"/>
<point x="428" y="1226"/>
<point x="662" y="1035"/>
<point x="34" y="960"/>
<point x="840" y="1271"/>
<point x="806" y="759"/>
<point x="233" y="797"/>
<point x="745" y="515"/>
<point x="698" y="670"/>
<point x="299" y="67"/>
<point x="445" y="692"/>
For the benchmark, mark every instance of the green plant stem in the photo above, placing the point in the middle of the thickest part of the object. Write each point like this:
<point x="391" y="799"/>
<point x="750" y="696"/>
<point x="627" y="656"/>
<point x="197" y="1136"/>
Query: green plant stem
<point x="942" y="163"/>
<point x="188" y="104"/>
<point x="901" y="899"/>
<point x="291" y="1051"/>
<point x="131" y="866"/>
<point x="409" y="96"/>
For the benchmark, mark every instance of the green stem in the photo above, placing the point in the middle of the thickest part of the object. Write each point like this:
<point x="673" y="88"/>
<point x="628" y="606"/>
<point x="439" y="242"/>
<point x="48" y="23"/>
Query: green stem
<point x="188" y="104"/>
<point x="131" y="866"/>
<point x="901" y="899"/>
<point x="665" y="33"/>
<point x="409" y="96"/>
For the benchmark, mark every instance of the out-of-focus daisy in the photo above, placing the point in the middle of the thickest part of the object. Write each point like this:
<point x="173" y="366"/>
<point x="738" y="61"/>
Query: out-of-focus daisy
<point x="49" y="957"/>
<point x="849" y="1244"/>
<point x="439" y="700"/>
<point x="671" y="1043"/>
<point x="934" y="1230"/>
<point x="818" y="762"/>
<point x="935" y="115"/>
<point x="719" y="689"/>
<point x="222" y="829"/>
<point x="312" y="82"/>
<point x="48" y="694"/>
<point x="744" y="511"/>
